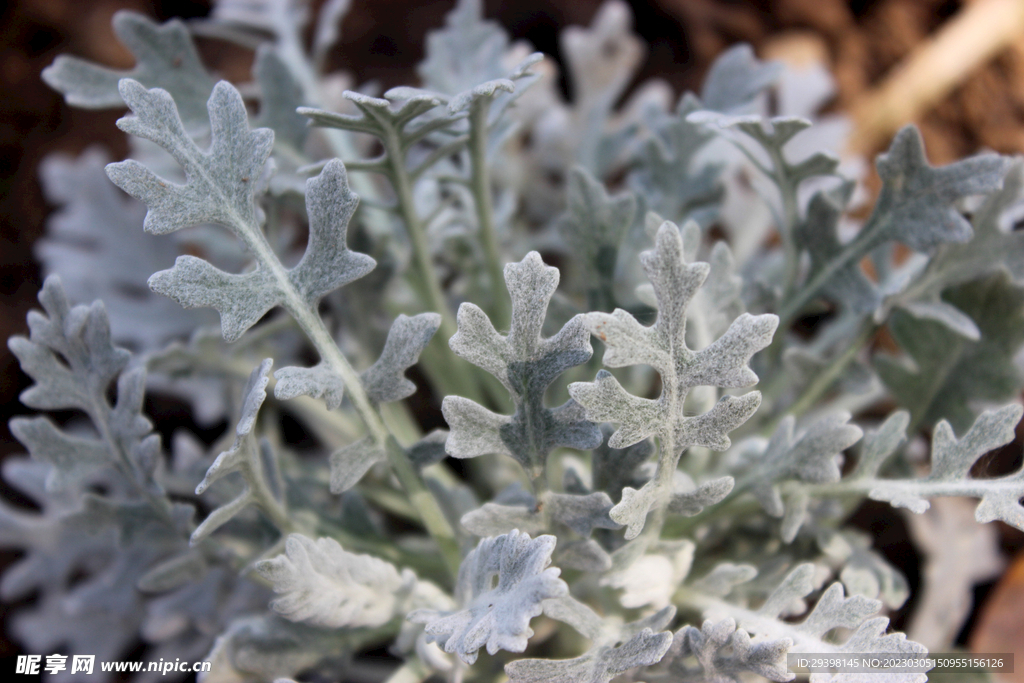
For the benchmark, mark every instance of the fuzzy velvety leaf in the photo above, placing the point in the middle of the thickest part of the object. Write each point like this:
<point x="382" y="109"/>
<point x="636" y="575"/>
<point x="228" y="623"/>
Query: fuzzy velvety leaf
<point x="736" y="78"/>
<point x="952" y="460"/>
<point x="497" y="617"/>
<point x="949" y="373"/>
<point x="238" y="458"/>
<point x="321" y="584"/>
<point x="917" y="202"/>
<point x="221" y="187"/>
<point x="612" y="654"/>
<point x="350" y="463"/>
<point x="593" y="227"/>
<point x="689" y="503"/>
<point x="280" y="96"/>
<point x="526" y="364"/>
<point x="810" y="457"/>
<point x="722" y="363"/>
<point x="318" y="381"/>
<point x="707" y="644"/>
<point x="385" y="380"/>
<point x="165" y="58"/>
<point x="817" y="233"/>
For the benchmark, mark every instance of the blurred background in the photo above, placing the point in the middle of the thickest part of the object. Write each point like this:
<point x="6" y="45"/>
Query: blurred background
<point x="955" y="67"/>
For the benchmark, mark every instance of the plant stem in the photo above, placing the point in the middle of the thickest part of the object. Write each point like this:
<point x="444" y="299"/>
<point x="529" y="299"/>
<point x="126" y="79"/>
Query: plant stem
<point x="456" y="377"/>
<point x="480" y="184"/>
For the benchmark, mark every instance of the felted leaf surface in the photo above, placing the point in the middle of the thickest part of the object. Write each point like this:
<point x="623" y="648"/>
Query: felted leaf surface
<point x="723" y="363"/>
<point x="765" y="657"/>
<point x="818" y="234"/>
<point x="813" y="457"/>
<point x="952" y="460"/>
<point x="385" y="380"/>
<point x="350" y="463"/>
<point x="917" y="202"/>
<point x="593" y="227"/>
<point x="525" y="363"/>
<point x="497" y="617"/>
<point x="94" y="244"/>
<point x="615" y="651"/>
<point x="832" y="610"/>
<point x="321" y="584"/>
<point x="165" y="58"/>
<point x="221" y="188"/>
<point x="949" y="373"/>
<point x="239" y="458"/>
<point x="663" y="346"/>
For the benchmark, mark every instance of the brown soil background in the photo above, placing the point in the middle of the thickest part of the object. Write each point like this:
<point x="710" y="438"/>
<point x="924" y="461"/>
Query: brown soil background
<point x="860" y="40"/>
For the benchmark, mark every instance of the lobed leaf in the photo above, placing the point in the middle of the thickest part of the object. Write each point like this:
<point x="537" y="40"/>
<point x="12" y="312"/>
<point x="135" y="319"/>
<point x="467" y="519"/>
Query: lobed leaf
<point x="497" y="617"/>
<point x="525" y="363"/>
<point x="165" y="58"/>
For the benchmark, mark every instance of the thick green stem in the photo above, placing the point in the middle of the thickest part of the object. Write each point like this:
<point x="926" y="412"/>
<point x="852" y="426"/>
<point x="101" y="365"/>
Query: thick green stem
<point x="480" y="184"/>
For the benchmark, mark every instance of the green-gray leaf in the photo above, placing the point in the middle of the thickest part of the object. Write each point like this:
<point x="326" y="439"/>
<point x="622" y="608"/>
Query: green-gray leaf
<point x="526" y="364"/>
<point x="165" y="58"/>
<point x="497" y="617"/>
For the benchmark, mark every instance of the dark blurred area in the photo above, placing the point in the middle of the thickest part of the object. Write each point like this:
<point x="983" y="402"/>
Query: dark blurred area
<point x="382" y="40"/>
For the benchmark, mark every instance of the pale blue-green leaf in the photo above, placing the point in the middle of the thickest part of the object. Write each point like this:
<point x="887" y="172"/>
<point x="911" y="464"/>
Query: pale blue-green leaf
<point x="525" y="363"/>
<point x="474" y="429"/>
<point x="430" y="449"/>
<point x="318" y="381"/>
<point x="238" y="457"/>
<point x="605" y="400"/>
<point x="350" y="463"/>
<point x="952" y="461"/>
<point x="951" y="375"/>
<point x="466" y="52"/>
<point x="585" y="555"/>
<point x="72" y="459"/>
<point x="593" y="228"/>
<point x="498" y="617"/>
<point x="494" y="519"/>
<point x="173" y="573"/>
<point x="321" y="584"/>
<point x="582" y="514"/>
<point x="280" y="96"/>
<point x="68" y="354"/>
<point x="667" y="176"/>
<point x="833" y="610"/>
<point x="94" y="244"/>
<point x="878" y="445"/>
<point x="721" y="580"/>
<point x="165" y="58"/>
<point x="599" y="665"/>
<point x="328" y="262"/>
<point x="689" y="503"/>
<point x="221" y="183"/>
<point x="941" y="312"/>
<point x="614" y="468"/>
<point x="818" y="234"/>
<point x="724" y="652"/>
<point x="813" y="456"/>
<point x="631" y="511"/>
<point x="385" y="380"/>
<point x="917" y="205"/>
<point x="736" y="78"/>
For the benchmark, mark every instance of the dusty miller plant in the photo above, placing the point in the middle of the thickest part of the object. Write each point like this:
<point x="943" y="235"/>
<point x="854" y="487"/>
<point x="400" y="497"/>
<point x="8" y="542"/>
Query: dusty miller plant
<point x="671" y="508"/>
